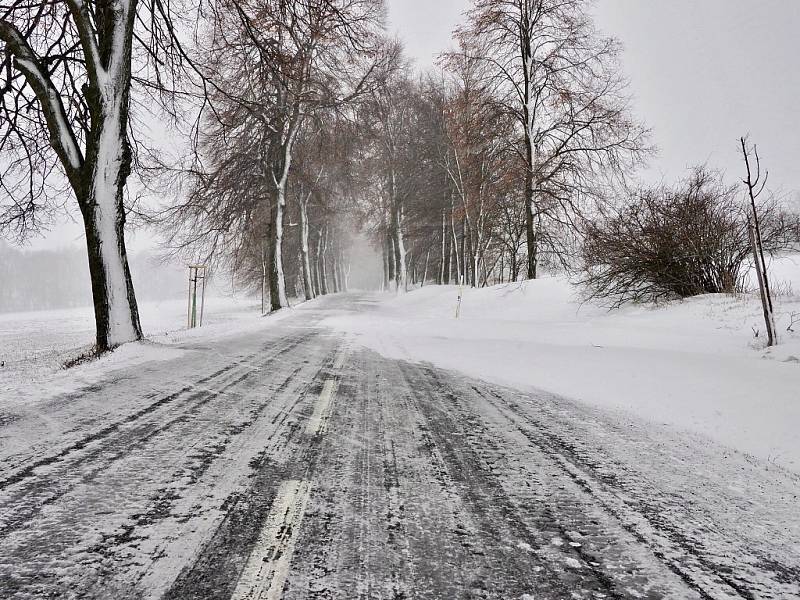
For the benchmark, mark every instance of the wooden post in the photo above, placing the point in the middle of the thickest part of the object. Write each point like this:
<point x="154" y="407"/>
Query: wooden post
<point x="196" y="272"/>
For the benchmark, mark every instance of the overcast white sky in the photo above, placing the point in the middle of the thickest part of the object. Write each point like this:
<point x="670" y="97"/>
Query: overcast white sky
<point x="702" y="72"/>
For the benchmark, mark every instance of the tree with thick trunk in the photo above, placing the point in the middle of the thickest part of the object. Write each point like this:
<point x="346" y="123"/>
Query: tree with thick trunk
<point x="56" y="48"/>
<point x="401" y="267"/>
<point x="308" y="286"/>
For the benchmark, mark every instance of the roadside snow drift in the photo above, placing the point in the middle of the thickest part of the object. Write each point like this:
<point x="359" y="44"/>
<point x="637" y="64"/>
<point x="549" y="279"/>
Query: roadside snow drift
<point x="695" y="365"/>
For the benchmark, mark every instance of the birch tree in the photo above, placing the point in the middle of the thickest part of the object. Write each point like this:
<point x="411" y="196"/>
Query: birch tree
<point x="391" y="113"/>
<point x="322" y="181"/>
<point x="392" y="116"/>
<point x="479" y="136"/>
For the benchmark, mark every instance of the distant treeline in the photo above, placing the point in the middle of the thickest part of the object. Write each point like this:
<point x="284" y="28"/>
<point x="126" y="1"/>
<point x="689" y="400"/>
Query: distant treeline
<point x="49" y="279"/>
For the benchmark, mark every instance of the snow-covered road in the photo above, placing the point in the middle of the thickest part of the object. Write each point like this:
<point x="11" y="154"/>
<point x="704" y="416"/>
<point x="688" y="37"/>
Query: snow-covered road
<point x="291" y="463"/>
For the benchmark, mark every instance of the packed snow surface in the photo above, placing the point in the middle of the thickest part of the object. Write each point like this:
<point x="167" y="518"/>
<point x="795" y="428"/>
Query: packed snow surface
<point x="695" y="365"/>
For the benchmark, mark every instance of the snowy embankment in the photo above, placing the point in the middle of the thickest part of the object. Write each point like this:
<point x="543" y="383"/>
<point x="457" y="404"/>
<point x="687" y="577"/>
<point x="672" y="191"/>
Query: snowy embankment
<point x="35" y="345"/>
<point x="693" y="365"/>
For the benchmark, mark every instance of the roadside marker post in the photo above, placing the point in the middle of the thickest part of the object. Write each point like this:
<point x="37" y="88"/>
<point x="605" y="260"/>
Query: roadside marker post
<point x="460" y="296"/>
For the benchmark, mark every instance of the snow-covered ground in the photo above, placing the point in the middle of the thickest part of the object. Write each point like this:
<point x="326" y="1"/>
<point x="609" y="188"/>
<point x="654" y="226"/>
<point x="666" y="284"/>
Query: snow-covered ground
<point x="694" y="365"/>
<point x="35" y="345"/>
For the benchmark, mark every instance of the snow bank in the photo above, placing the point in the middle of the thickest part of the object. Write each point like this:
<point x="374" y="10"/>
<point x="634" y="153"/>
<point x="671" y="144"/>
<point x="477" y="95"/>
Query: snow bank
<point x="694" y="365"/>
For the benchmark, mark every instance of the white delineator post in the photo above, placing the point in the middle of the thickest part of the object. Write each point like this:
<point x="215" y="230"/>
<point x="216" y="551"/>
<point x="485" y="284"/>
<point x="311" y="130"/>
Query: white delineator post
<point x="460" y="296"/>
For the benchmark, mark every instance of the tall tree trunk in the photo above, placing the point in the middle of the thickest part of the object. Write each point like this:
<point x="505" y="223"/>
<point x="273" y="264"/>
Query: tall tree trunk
<point x="101" y="194"/>
<point x="264" y="275"/>
<point x="335" y="267"/>
<point x="392" y="258"/>
<point x="464" y="263"/>
<point x="528" y="94"/>
<point x="346" y="263"/>
<point x="401" y="269"/>
<point x="308" y="286"/>
<point x="530" y="206"/>
<point x="317" y="264"/>
<point x="387" y="261"/>
<point x="474" y="259"/>
<point x="277" y="280"/>
<point x="455" y="245"/>
<point x="342" y="273"/>
<point x="443" y="264"/>
<point x="115" y="310"/>
<point x="425" y="271"/>
<point x="324" y="261"/>
<point x="451" y="276"/>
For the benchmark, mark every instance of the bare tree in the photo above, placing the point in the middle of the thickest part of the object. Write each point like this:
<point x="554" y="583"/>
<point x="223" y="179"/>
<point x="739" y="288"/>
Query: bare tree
<point x="65" y="88"/>
<point x="322" y="183"/>
<point x="392" y="111"/>
<point x="274" y="63"/>
<point x="755" y="182"/>
<point x="559" y="80"/>
<point x="479" y="137"/>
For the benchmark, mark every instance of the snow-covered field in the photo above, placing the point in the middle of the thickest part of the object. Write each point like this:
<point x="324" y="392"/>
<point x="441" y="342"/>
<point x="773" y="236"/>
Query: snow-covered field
<point x="35" y="345"/>
<point x="694" y="365"/>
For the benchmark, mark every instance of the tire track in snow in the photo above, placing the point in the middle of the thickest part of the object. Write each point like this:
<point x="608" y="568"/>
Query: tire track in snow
<point x="332" y="538"/>
<point x="267" y="568"/>
<point x="200" y="428"/>
<point x="33" y="493"/>
<point x="249" y="529"/>
<point x="489" y="515"/>
<point x="636" y="515"/>
<point x="278" y="434"/>
<point x="28" y="470"/>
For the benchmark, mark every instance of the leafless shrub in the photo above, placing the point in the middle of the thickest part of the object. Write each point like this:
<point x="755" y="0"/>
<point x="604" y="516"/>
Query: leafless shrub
<point x="678" y="242"/>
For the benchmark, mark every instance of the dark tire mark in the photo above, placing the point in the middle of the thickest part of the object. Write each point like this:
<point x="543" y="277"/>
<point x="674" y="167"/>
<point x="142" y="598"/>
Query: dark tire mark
<point x="214" y="573"/>
<point x="495" y="514"/>
<point x="29" y="470"/>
